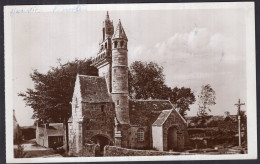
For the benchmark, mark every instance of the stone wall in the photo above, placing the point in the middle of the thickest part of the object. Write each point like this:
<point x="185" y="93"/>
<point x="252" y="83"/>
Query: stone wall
<point x="120" y="84"/>
<point x="75" y="127"/>
<point x="182" y="134"/>
<point x="117" y="151"/>
<point x="98" y="119"/>
<point x="124" y="128"/>
<point x="157" y="134"/>
<point x="41" y="137"/>
<point x="105" y="71"/>
<point x="121" y="107"/>
<point x="90" y="150"/>
<point x="133" y="141"/>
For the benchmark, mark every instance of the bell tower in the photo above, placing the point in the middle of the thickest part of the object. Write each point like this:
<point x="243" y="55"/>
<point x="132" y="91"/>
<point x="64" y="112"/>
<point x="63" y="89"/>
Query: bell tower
<point x="104" y="57"/>
<point x="120" y="74"/>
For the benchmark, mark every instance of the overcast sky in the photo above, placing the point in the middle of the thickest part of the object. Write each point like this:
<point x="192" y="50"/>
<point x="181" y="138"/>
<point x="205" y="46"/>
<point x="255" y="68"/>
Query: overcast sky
<point x="195" y="47"/>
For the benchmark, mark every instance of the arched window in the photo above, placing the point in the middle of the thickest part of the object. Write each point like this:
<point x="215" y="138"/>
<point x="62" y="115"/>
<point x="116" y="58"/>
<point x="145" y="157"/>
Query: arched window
<point x="106" y="45"/>
<point x="121" y="44"/>
<point x="140" y="135"/>
<point x="115" y="44"/>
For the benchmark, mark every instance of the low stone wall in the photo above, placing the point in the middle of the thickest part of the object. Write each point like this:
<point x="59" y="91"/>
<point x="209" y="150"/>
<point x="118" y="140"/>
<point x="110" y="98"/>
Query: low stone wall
<point x="90" y="150"/>
<point x="118" y="151"/>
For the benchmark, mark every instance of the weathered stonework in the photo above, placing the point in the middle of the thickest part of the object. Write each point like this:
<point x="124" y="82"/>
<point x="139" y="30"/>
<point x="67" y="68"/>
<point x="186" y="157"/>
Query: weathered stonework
<point x="174" y="120"/>
<point x="117" y="151"/>
<point x="98" y="120"/>
<point x="90" y="150"/>
<point x="120" y="75"/>
<point x="133" y="140"/>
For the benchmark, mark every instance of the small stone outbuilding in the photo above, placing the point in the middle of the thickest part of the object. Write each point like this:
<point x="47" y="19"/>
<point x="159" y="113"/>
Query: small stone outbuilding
<point x="50" y="135"/>
<point x="169" y="131"/>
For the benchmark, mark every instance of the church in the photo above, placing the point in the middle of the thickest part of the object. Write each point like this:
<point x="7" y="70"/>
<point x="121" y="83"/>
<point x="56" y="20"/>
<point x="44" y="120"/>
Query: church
<point x="103" y="113"/>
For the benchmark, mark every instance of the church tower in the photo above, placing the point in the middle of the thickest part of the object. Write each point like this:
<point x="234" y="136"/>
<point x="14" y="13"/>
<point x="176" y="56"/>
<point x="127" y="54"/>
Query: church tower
<point x="112" y="63"/>
<point x="120" y="74"/>
<point x="104" y="57"/>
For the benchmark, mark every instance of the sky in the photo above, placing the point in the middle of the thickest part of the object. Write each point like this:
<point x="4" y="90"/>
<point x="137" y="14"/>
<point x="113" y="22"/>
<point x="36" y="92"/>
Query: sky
<point x="195" y="47"/>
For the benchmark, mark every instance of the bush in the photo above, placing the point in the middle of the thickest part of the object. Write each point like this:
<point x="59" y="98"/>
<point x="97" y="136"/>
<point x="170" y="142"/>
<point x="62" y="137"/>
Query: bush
<point x="19" y="153"/>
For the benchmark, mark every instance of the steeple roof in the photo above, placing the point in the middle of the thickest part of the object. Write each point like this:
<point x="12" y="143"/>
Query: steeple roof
<point x="120" y="32"/>
<point x="107" y="16"/>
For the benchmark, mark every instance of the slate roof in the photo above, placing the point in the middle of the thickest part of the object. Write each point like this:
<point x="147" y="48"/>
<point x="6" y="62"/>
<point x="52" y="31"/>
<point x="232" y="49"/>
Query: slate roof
<point x="94" y="89"/>
<point x="145" y="112"/>
<point x="120" y="32"/>
<point x="54" y="129"/>
<point x="162" y="118"/>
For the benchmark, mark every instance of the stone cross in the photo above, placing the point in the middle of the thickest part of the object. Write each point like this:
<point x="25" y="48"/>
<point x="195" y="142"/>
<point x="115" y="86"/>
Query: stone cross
<point x="238" y="113"/>
<point x="238" y="106"/>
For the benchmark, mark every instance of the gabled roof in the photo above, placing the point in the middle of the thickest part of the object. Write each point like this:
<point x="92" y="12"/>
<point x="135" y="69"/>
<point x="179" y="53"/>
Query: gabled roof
<point x="93" y="89"/>
<point x="145" y="112"/>
<point x="162" y="118"/>
<point x="120" y="32"/>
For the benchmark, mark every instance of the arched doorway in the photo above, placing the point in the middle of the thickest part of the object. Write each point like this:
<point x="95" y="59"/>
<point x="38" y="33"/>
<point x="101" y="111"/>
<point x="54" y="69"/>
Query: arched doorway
<point x="102" y="141"/>
<point x="172" y="138"/>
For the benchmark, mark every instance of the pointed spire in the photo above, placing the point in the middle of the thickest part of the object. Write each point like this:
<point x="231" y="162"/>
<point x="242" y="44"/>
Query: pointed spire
<point x="107" y="17"/>
<point x="120" y="32"/>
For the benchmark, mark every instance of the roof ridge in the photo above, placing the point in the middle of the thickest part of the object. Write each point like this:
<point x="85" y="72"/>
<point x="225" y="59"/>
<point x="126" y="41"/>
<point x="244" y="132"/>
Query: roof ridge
<point x="170" y="111"/>
<point x="148" y="100"/>
<point x="91" y="76"/>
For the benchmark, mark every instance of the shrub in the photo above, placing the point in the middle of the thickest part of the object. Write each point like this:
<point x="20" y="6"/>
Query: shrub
<point x="19" y="153"/>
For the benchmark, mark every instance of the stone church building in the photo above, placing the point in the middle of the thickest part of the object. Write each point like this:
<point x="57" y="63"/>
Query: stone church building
<point x="103" y="113"/>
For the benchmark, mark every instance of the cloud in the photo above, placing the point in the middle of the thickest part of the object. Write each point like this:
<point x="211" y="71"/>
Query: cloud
<point x="196" y="58"/>
<point x="193" y="51"/>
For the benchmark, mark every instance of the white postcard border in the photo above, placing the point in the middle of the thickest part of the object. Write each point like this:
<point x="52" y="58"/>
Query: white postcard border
<point x="9" y="11"/>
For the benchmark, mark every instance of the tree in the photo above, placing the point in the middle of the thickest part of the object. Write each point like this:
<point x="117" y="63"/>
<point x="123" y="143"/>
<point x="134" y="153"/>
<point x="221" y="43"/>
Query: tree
<point x="50" y="99"/>
<point x="207" y="98"/>
<point x="146" y="80"/>
<point x="182" y="98"/>
<point x="242" y="115"/>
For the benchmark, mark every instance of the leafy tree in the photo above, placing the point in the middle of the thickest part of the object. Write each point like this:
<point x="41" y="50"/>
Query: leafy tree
<point x="207" y="98"/>
<point x="50" y="99"/>
<point x="242" y="115"/>
<point x="182" y="98"/>
<point x="146" y="80"/>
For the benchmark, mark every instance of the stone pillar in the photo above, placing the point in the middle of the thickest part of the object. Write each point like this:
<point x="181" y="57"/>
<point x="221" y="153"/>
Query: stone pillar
<point x="118" y="139"/>
<point x="80" y="137"/>
<point x="118" y="136"/>
<point x="239" y="132"/>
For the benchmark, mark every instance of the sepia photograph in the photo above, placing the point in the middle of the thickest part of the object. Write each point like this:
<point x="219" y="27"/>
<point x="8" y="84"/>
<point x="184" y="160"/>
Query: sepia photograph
<point x="130" y="82"/>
